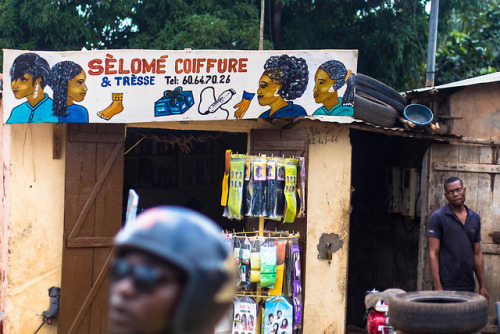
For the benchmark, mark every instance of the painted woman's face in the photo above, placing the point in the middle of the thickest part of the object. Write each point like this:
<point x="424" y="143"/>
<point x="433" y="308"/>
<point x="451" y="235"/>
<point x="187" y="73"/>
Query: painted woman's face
<point x="268" y="91"/>
<point x="322" y="85"/>
<point x="23" y="86"/>
<point x="77" y="88"/>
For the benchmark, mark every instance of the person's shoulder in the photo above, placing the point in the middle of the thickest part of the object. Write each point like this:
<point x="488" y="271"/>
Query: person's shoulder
<point x="441" y="211"/>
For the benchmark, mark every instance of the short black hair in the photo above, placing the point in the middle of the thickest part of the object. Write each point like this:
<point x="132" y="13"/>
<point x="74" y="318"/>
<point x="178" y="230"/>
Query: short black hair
<point x="452" y="179"/>
<point x="32" y="64"/>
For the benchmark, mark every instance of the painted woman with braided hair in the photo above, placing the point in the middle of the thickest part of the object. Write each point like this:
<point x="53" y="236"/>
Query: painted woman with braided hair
<point x="285" y="78"/>
<point x="330" y="77"/>
<point x="67" y="80"/>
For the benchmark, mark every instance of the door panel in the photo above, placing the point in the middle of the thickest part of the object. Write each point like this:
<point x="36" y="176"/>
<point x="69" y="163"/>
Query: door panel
<point x="93" y="209"/>
<point x="479" y="169"/>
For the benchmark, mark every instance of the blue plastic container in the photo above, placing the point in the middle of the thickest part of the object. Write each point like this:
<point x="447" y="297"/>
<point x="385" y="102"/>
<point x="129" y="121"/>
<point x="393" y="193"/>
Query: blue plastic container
<point x="418" y="114"/>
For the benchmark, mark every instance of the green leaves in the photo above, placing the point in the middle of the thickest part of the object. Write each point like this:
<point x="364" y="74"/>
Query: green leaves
<point x="391" y="36"/>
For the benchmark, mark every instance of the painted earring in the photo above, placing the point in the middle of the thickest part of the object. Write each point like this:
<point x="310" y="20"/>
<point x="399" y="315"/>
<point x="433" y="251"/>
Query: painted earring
<point x="331" y="89"/>
<point x="276" y="92"/>
<point x="36" y="90"/>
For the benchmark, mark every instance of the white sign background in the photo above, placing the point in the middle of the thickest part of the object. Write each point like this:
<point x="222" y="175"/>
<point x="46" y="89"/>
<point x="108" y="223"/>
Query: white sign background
<point x="206" y="86"/>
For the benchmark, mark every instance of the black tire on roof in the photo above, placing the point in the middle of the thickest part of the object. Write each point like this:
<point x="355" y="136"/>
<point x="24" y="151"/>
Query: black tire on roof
<point x="374" y="112"/>
<point x="372" y="83"/>
<point x="438" y="312"/>
<point x="382" y="97"/>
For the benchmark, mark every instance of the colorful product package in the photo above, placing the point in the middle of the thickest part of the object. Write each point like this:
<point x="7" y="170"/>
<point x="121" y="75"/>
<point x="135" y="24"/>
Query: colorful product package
<point x="278" y="316"/>
<point x="255" y="261"/>
<point x="259" y="186"/>
<point x="290" y="190"/>
<point x="236" y="254"/>
<point x="297" y="285"/>
<point x="267" y="264"/>
<point x="237" y="168"/>
<point x="245" y="271"/>
<point x="245" y="316"/>
<point x="280" y="267"/>
<point x="301" y="188"/>
<point x="272" y="189"/>
<point x="280" y="188"/>
<point x="247" y="187"/>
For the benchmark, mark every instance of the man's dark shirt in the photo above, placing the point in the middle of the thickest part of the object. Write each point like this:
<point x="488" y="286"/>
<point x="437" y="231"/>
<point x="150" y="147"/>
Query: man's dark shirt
<point x="456" y="252"/>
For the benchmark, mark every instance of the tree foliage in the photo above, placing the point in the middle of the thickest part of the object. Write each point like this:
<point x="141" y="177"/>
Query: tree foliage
<point x="472" y="46"/>
<point x="391" y="35"/>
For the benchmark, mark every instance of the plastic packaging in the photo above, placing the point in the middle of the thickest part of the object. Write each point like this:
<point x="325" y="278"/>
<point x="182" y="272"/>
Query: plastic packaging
<point x="237" y="167"/>
<point x="272" y="190"/>
<point x="278" y="316"/>
<point x="247" y="187"/>
<point x="267" y="264"/>
<point x="236" y="254"/>
<point x="290" y="190"/>
<point x="245" y="316"/>
<point x="255" y="261"/>
<point x="280" y="188"/>
<point x="245" y="271"/>
<point x="280" y="267"/>
<point x="297" y="286"/>
<point x="259" y="186"/>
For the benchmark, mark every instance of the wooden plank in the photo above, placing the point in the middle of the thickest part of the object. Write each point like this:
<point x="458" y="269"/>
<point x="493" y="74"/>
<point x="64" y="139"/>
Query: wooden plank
<point x="470" y="154"/>
<point x="82" y="312"/>
<point x="466" y="167"/>
<point x="97" y="187"/>
<point x="85" y="242"/>
<point x="56" y="140"/>
<point x="493" y="249"/>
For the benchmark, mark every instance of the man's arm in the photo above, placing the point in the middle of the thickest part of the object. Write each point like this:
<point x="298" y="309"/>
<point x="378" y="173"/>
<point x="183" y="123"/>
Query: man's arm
<point x="479" y="269"/>
<point x="434" y="245"/>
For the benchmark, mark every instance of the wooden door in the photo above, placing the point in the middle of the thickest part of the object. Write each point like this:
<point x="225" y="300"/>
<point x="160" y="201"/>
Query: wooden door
<point x="479" y="169"/>
<point x="92" y="216"/>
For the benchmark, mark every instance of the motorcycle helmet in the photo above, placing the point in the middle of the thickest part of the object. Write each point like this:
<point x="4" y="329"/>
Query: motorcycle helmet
<point x="192" y="242"/>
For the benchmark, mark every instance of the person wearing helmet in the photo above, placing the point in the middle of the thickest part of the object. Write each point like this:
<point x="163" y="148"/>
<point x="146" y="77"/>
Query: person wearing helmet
<point x="172" y="273"/>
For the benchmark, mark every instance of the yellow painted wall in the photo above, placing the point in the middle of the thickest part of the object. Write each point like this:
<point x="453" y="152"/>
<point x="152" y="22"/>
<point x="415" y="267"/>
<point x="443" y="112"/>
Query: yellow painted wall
<point x="35" y="222"/>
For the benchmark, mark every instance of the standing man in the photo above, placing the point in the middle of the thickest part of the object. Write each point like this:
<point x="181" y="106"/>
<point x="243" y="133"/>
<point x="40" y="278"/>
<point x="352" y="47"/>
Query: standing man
<point x="172" y="274"/>
<point x="455" y="243"/>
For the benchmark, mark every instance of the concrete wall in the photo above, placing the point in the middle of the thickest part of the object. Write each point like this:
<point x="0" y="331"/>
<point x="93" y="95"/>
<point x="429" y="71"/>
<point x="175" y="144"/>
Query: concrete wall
<point x="34" y="216"/>
<point x="479" y="109"/>
<point x="32" y="226"/>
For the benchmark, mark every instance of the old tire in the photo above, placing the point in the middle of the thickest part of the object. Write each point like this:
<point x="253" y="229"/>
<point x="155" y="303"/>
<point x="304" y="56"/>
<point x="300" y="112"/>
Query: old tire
<point x="374" y="112"/>
<point x="438" y="312"/>
<point x="374" y="84"/>
<point x="381" y="97"/>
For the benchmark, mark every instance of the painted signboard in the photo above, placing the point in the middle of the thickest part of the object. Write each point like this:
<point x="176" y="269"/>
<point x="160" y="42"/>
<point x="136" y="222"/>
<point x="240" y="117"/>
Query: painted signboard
<point x="132" y="86"/>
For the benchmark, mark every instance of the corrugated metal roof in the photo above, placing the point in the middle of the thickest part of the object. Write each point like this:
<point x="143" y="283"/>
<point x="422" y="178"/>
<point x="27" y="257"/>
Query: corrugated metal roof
<point x="493" y="77"/>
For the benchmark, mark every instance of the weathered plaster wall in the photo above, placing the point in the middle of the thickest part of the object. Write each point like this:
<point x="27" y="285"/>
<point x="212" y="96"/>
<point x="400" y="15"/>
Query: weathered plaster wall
<point x="329" y="193"/>
<point x="35" y="222"/>
<point x="4" y="153"/>
<point x="479" y="107"/>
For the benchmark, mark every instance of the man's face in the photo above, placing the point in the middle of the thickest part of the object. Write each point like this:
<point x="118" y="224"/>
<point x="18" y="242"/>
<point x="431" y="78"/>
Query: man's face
<point x="137" y="307"/>
<point x="455" y="193"/>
